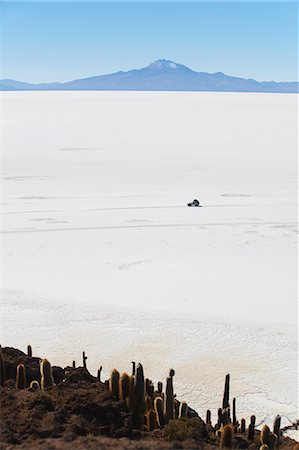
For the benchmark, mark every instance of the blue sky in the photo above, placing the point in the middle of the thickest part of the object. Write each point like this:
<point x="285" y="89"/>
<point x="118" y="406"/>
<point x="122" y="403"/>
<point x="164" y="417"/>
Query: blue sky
<point x="60" y="41"/>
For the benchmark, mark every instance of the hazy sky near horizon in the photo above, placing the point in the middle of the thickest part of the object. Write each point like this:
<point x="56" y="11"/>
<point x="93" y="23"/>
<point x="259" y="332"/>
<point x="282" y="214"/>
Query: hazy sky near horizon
<point x="61" y="41"/>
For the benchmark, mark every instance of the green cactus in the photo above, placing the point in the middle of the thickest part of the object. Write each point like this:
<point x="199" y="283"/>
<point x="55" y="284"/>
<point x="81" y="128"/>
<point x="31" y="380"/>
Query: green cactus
<point x="139" y="406"/>
<point x="183" y="411"/>
<point x="218" y="424"/>
<point x="124" y="386"/>
<point x="268" y="438"/>
<point x="47" y="380"/>
<point x="114" y="383"/>
<point x="133" y="368"/>
<point x="226" y="437"/>
<point x="29" y="351"/>
<point x="208" y="417"/>
<point x="84" y="358"/>
<point x="169" y="400"/>
<point x="276" y="428"/>
<point x="34" y="386"/>
<point x="243" y="426"/>
<point x="158" y="405"/>
<point x="74" y="364"/>
<point x="150" y="420"/>
<point x="251" y="427"/>
<point x="21" y="377"/>
<point x="160" y="387"/>
<point x="99" y="373"/>
<point x="2" y="368"/>
<point x="225" y="401"/>
<point x="130" y="397"/>
<point x="234" y="412"/>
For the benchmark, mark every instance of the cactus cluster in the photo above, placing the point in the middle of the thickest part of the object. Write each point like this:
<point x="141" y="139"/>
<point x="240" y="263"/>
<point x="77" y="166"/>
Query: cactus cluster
<point x="152" y="408"/>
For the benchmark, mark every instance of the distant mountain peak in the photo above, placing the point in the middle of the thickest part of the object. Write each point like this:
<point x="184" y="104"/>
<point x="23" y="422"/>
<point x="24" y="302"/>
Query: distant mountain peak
<point x="164" y="64"/>
<point x="160" y="75"/>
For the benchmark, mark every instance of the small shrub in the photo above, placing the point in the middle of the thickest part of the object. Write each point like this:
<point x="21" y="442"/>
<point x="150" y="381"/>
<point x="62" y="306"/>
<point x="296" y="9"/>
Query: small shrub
<point x="183" y="429"/>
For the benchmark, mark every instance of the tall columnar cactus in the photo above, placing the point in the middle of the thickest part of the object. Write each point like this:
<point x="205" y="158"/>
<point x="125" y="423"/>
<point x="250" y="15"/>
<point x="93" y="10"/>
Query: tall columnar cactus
<point x="99" y="373"/>
<point x="130" y="397"/>
<point x="225" y="402"/>
<point x="169" y="400"/>
<point x="226" y="437"/>
<point x="124" y="386"/>
<point x="183" y="411"/>
<point x="114" y="383"/>
<point x="243" y="426"/>
<point x="158" y="405"/>
<point x="219" y="420"/>
<point x="160" y="387"/>
<point x="2" y="368"/>
<point x="29" y="351"/>
<point x="47" y="380"/>
<point x="276" y="428"/>
<point x="21" y="377"/>
<point x="74" y="364"/>
<point x="251" y="428"/>
<point x="84" y="358"/>
<point x="234" y="413"/>
<point x="268" y="438"/>
<point x="148" y="403"/>
<point x="138" y="399"/>
<point x="133" y="368"/>
<point x="150" y="420"/>
<point x="208" y="417"/>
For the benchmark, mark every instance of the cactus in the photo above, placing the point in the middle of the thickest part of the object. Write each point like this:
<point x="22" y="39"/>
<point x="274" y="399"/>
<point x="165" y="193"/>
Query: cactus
<point x="158" y="405"/>
<point x="169" y="400"/>
<point x="225" y="416"/>
<point x="2" y="368"/>
<point x="84" y="358"/>
<point x="133" y="368"/>
<point x="138" y="399"/>
<point x="160" y="387"/>
<point x="276" y="428"/>
<point x="225" y="402"/>
<point x="34" y="386"/>
<point x="124" y="386"/>
<point x="67" y="377"/>
<point x="234" y="412"/>
<point x="148" y="403"/>
<point x="183" y="411"/>
<point x="226" y="437"/>
<point x="251" y="427"/>
<point x="150" y="420"/>
<point x="208" y="417"/>
<point x="47" y="379"/>
<point x="243" y="426"/>
<point x="218" y="424"/>
<point x="29" y="351"/>
<point x="130" y="398"/>
<point x="268" y="438"/>
<point x="74" y="364"/>
<point x="114" y="383"/>
<point x="99" y="373"/>
<point x="176" y="408"/>
<point x="171" y="373"/>
<point x="21" y="377"/>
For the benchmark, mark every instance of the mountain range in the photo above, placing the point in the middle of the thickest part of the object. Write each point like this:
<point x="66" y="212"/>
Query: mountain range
<point x="161" y="75"/>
